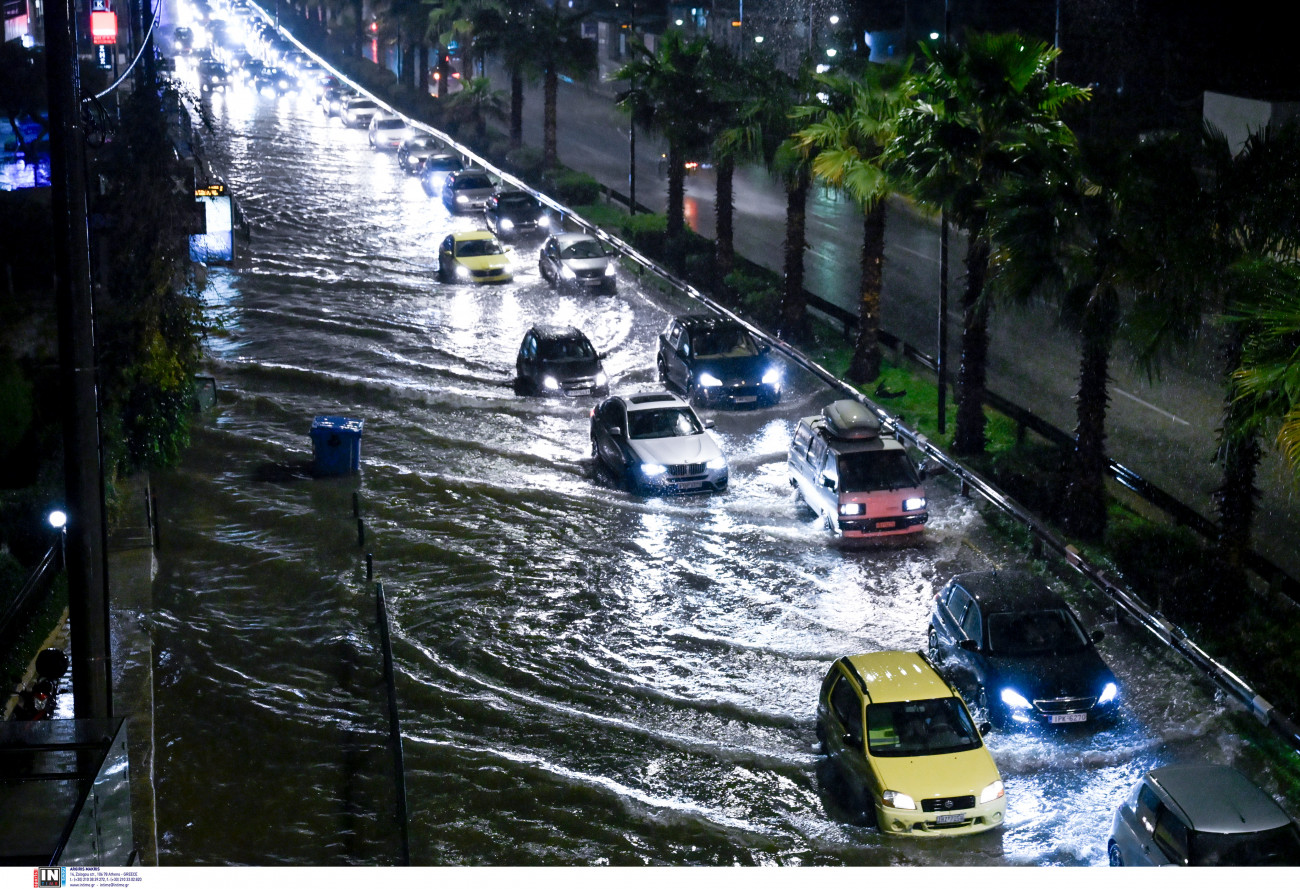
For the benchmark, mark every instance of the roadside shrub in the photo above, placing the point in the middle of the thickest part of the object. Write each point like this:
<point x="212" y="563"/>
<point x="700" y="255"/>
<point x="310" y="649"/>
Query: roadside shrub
<point x="526" y="163"/>
<point x="571" y="188"/>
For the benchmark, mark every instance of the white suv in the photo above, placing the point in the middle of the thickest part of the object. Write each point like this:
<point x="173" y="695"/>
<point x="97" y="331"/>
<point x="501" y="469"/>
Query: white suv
<point x="657" y="444"/>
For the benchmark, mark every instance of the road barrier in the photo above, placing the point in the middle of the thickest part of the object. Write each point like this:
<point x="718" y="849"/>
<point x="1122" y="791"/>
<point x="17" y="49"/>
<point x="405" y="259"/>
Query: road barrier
<point x="1156" y="624"/>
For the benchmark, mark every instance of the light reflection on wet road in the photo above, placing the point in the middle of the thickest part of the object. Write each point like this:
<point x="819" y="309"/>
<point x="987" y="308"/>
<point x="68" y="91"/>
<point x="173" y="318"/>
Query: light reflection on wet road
<point x="585" y="676"/>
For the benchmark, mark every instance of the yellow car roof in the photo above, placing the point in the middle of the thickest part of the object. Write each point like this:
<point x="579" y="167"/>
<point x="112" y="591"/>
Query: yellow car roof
<point x="477" y="235"/>
<point x="890" y="676"/>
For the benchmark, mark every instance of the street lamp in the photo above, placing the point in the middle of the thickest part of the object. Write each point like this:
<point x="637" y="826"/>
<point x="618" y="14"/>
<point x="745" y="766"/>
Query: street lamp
<point x="58" y="520"/>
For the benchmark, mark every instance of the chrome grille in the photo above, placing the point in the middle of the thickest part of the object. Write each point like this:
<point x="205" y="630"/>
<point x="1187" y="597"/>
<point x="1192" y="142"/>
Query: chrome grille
<point x="1064" y="705"/>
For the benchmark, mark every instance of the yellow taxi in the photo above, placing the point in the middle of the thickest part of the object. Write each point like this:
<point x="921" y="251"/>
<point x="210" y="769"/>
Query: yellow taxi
<point x="474" y="257"/>
<point x="901" y="735"/>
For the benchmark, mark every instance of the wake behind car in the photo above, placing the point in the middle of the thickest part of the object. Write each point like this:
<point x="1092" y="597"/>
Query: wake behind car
<point x="560" y="361"/>
<point x="467" y="190"/>
<point x="862" y="483"/>
<point x="1019" y="652"/>
<point x="576" y="261"/>
<point x="716" y="361"/>
<point x="1207" y="815"/>
<point x="473" y="256"/>
<point x="388" y="132"/>
<point x="905" y="745"/>
<point x="513" y="214"/>
<point x="657" y="444"/>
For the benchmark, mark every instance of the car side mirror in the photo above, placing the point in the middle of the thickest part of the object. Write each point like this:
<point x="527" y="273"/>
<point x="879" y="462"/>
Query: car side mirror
<point x="985" y="728"/>
<point x="923" y="469"/>
<point x="764" y="348"/>
<point x="1097" y="636"/>
<point x="601" y="356"/>
<point x="969" y="645"/>
<point x="616" y="431"/>
<point x="708" y="424"/>
<point x="828" y="482"/>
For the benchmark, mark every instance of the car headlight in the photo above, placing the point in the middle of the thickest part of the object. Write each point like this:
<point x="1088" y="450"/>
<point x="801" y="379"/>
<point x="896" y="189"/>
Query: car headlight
<point x="850" y="509"/>
<point x="717" y="463"/>
<point x="651" y="470"/>
<point x="772" y="377"/>
<point x="611" y="269"/>
<point x="550" y="383"/>
<point x="461" y="199"/>
<point x="601" y="378"/>
<point x="1015" y="700"/>
<point x="912" y="503"/>
<point x="462" y="271"/>
<point x="1109" y="693"/>
<point x="567" y="273"/>
<point x="506" y="224"/>
<point x="992" y="792"/>
<point x="708" y="379"/>
<point x="896" y="800"/>
<point x="544" y="221"/>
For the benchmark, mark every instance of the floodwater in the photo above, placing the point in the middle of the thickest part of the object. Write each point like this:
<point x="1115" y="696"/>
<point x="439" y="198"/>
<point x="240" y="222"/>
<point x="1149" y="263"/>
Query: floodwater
<point x="583" y="676"/>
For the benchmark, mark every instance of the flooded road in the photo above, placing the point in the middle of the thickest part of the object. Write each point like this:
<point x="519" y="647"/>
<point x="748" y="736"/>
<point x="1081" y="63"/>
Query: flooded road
<point x="584" y="676"/>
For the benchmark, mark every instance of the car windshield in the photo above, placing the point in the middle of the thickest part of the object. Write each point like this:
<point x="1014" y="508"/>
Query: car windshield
<point x="473" y="182"/>
<point x="478" y="247"/>
<point x="663" y="423"/>
<point x="876" y="471"/>
<point x="516" y="202"/>
<point x="920" y="728"/>
<point x="395" y="123"/>
<point x="442" y="162"/>
<point x="724" y="342"/>
<point x="422" y="143"/>
<point x="570" y="349"/>
<point x="584" y="250"/>
<point x="1279" y="847"/>
<point x="1034" y="632"/>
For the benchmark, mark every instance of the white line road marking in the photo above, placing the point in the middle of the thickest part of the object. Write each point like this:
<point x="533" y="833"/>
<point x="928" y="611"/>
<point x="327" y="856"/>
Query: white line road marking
<point x="1163" y="413"/>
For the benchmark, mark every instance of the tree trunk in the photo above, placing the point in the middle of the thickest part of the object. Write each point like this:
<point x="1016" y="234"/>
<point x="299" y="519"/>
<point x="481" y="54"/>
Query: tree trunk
<point x="676" y="191"/>
<point x="359" y="32"/>
<point x="422" y="76"/>
<point x="865" y="365"/>
<point x="1239" y="452"/>
<point x="724" y="211"/>
<point x="516" y="108"/>
<point x="408" y="64"/>
<point x="551" y="87"/>
<point x="968" y="437"/>
<point x="793" y="321"/>
<point x="1084" y="507"/>
<point x="444" y="72"/>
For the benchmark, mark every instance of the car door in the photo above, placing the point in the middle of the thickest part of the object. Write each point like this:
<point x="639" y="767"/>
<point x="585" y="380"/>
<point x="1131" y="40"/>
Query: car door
<point x="491" y="216"/>
<point x="669" y="342"/>
<point x="548" y="261"/>
<point x="611" y="435"/>
<point x="845" y="738"/>
<point x="446" y="255"/>
<point x="526" y="363"/>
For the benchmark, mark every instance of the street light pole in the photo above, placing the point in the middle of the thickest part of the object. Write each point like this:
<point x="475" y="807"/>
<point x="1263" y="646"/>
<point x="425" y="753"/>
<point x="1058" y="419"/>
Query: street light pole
<point x="941" y="355"/>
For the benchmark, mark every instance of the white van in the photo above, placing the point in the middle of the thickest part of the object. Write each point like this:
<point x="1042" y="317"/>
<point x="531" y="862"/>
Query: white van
<point x="862" y="482"/>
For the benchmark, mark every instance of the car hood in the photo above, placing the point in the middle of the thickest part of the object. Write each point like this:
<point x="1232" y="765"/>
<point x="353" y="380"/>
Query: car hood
<point x="747" y="369"/>
<point x="473" y="193"/>
<point x="678" y="449"/>
<point x="571" y="369"/>
<point x="938" y="775"/>
<point x="1077" y="674"/>
<point x="515" y="214"/>
<point x="480" y="263"/>
<point x="598" y="263"/>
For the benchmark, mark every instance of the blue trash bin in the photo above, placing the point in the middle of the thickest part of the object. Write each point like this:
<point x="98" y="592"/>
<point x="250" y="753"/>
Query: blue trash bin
<point x="336" y="445"/>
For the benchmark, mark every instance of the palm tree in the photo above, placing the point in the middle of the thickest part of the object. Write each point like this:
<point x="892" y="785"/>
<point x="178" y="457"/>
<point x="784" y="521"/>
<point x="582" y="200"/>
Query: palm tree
<point x="849" y="131"/>
<point x="976" y="107"/>
<point x="1096" y="233"/>
<point x="507" y="33"/>
<point x="730" y="85"/>
<point x="667" y="92"/>
<point x="559" y="48"/>
<point x="474" y="104"/>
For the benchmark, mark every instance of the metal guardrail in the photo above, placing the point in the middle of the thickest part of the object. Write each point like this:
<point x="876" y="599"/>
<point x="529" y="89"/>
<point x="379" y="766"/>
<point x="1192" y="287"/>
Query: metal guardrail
<point x="39" y="579"/>
<point x="1155" y="623"/>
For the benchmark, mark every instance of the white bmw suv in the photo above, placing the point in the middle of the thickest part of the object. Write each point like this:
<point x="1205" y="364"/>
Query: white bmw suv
<point x="657" y="444"/>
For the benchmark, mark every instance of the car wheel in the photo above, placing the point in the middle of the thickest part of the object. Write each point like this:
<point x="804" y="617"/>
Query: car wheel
<point x="1115" y="856"/>
<point x="821" y="738"/>
<point x="663" y="370"/>
<point x="933" y="642"/>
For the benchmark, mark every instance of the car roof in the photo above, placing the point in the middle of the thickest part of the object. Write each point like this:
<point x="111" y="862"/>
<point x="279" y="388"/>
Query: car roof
<point x="698" y="320"/>
<point x="1011" y="590"/>
<point x="475" y="235"/>
<point x="889" y="676"/>
<point x="646" y="401"/>
<point x="1218" y="799"/>
<point x="852" y="445"/>
<point x="557" y="332"/>
<point x="564" y="239"/>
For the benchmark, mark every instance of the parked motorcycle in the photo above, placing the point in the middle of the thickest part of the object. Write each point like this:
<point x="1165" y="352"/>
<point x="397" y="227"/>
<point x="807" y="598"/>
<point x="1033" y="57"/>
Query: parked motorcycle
<point x="38" y="702"/>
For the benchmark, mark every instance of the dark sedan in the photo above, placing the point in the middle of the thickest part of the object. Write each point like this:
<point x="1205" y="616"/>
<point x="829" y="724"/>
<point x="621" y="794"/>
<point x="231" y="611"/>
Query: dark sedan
<point x="559" y="361"/>
<point x="717" y="361"/>
<point x="436" y="168"/>
<point x="275" y="82"/>
<point x="513" y="214"/>
<point x="1018" y="652"/>
<point x="412" y="153"/>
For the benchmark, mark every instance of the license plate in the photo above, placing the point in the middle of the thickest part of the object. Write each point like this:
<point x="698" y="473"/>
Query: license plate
<point x="1067" y="717"/>
<point x="579" y="392"/>
<point x="688" y="486"/>
<point x="950" y="818"/>
<point x="885" y="524"/>
<point x="745" y="399"/>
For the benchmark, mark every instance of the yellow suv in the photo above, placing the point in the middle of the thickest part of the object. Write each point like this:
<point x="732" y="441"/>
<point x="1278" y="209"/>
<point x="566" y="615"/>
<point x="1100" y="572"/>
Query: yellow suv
<point x="899" y="732"/>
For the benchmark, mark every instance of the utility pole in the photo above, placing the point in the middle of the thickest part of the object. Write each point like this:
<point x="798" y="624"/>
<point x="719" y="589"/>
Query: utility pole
<point x="941" y="356"/>
<point x="84" y="478"/>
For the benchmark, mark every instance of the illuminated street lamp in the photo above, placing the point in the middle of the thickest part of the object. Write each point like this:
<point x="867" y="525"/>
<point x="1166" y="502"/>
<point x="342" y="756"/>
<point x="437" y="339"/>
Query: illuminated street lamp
<point x="58" y="520"/>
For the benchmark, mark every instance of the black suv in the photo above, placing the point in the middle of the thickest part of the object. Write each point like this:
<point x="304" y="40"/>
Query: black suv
<point x="717" y="361"/>
<point x="213" y="76"/>
<point x="560" y="361"/>
<point x="512" y="214"/>
<point x="1018" y="653"/>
